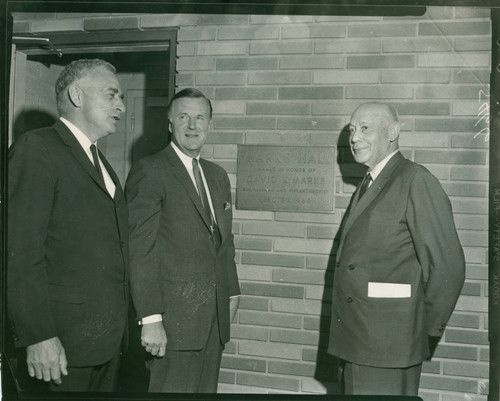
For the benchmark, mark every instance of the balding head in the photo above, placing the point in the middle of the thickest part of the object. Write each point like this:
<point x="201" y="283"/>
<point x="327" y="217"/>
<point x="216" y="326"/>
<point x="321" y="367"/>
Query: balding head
<point x="374" y="129"/>
<point x="384" y="112"/>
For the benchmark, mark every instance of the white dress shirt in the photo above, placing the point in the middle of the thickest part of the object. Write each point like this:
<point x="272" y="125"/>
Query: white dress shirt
<point x="380" y="166"/>
<point x="85" y="143"/>
<point x="188" y="163"/>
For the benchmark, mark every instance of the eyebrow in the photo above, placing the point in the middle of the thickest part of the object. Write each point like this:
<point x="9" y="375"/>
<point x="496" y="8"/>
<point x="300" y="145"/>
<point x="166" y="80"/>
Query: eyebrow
<point x="180" y="113"/>
<point x="114" y="90"/>
<point x="362" y="122"/>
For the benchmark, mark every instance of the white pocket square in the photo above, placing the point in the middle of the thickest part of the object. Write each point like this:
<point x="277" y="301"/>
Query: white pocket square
<point x="388" y="290"/>
<point x="227" y="205"/>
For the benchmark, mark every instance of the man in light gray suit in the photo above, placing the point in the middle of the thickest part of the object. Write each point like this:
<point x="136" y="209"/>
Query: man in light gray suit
<point x="183" y="274"/>
<point x="399" y="266"/>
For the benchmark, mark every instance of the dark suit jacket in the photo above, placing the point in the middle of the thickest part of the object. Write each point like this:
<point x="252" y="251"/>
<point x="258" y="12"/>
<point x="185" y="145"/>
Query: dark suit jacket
<point x="400" y="232"/>
<point x="67" y="248"/>
<point x="175" y="268"/>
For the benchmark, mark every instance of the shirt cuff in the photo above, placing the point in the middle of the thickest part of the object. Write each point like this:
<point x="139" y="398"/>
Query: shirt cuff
<point x="151" y="319"/>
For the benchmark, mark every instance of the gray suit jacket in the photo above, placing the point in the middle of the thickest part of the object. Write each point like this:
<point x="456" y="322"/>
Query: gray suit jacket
<point x="400" y="269"/>
<point x="175" y="268"/>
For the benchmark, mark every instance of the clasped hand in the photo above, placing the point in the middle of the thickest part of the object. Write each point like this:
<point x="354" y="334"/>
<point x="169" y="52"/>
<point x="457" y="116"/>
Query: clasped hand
<point x="154" y="338"/>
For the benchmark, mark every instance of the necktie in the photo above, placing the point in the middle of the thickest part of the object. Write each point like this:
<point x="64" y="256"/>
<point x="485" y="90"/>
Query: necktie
<point x="364" y="185"/>
<point x="97" y="165"/>
<point x="204" y="202"/>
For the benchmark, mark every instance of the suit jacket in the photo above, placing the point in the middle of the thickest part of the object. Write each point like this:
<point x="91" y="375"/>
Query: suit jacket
<point x="175" y="268"/>
<point x="67" y="248"/>
<point x="400" y="232"/>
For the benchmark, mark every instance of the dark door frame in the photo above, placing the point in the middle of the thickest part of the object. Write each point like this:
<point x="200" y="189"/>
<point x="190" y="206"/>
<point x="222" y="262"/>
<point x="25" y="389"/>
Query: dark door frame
<point x="112" y="41"/>
<point x="113" y="44"/>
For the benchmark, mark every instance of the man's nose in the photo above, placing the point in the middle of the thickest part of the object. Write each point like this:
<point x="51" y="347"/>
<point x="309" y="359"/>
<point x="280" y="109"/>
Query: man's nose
<point x="120" y="105"/>
<point x="192" y="123"/>
<point x="354" y="134"/>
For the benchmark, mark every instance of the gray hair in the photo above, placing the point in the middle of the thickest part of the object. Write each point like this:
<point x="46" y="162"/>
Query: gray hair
<point x="73" y="72"/>
<point x="393" y="113"/>
<point x="193" y="94"/>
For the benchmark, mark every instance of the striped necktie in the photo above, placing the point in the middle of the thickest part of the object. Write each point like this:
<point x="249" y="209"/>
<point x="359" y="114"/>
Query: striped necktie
<point x="204" y="202"/>
<point x="97" y="165"/>
<point x="364" y="185"/>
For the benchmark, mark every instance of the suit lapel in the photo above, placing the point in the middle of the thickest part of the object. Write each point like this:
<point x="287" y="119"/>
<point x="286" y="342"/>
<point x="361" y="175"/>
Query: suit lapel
<point x="185" y="181"/>
<point x="118" y="188"/>
<point x="358" y="206"/>
<point x="69" y="139"/>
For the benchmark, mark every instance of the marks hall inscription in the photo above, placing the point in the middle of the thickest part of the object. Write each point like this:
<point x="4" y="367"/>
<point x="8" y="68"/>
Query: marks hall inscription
<point x="285" y="178"/>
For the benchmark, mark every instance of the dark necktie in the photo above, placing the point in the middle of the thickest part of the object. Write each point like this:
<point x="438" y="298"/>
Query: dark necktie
<point x="364" y="185"/>
<point x="97" y="165"/>
<point x="204" y="202"/>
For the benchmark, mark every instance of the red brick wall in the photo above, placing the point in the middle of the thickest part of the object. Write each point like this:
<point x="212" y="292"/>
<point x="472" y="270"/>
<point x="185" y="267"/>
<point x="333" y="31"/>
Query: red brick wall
<point x="294" y="80"/>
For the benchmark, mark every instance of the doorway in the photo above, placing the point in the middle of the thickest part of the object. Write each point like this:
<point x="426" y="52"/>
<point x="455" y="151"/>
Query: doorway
<point x="145" y="63"/>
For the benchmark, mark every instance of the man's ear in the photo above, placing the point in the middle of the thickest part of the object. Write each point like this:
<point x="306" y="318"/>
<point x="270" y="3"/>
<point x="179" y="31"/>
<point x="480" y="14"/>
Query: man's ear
<point x="394" y="129"/>
<point x="75" y="95"/>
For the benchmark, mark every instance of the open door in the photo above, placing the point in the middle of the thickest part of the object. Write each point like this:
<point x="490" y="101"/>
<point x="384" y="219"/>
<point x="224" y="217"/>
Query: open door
<point x="145" y="63"/>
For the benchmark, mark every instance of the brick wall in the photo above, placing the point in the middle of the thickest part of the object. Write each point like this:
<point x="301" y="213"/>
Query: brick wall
<point x="294" y="80"/>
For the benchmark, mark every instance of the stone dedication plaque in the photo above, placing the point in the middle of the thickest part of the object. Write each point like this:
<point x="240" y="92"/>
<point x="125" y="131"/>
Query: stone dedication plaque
<point x="285" y="178"/>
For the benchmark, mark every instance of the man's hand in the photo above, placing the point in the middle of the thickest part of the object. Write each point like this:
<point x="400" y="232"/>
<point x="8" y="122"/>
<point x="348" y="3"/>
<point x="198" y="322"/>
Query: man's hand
<point x="47" y="360"/>
<point x="233" y="306"/>
<point x="154" y="338"/>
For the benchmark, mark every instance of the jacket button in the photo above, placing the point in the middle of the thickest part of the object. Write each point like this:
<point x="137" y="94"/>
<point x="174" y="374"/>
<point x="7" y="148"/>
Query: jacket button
<point x="349" y="299"/>
<point x="337" y="264"/>
<point x="351" y="266"/>
<point x="122" y="244"/>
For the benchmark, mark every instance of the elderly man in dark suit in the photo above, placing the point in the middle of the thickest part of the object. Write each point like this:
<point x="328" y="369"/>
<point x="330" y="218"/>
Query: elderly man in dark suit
<point x="400" y="267"/>
<point x="182" y="273"/>
<point x="68" y="238"/>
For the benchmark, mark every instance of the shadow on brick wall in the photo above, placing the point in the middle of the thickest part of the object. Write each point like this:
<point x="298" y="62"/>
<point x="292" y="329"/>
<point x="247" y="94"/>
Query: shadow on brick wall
<point x="327" y="366"/>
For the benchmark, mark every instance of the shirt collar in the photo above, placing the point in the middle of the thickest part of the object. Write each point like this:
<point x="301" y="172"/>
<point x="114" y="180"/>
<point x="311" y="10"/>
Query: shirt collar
<point x="380" y="166"/>
<point x="78" y="133"/>
<point x="185" y="159"/>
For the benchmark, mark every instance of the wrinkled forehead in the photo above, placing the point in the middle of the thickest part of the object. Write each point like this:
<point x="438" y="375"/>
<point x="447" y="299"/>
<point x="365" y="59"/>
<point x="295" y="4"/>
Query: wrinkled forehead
<point x="196" y="105"/>
<point x="363" y="116"/>
<point x="370" y="114"/>
<point x="99" y="77"/>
